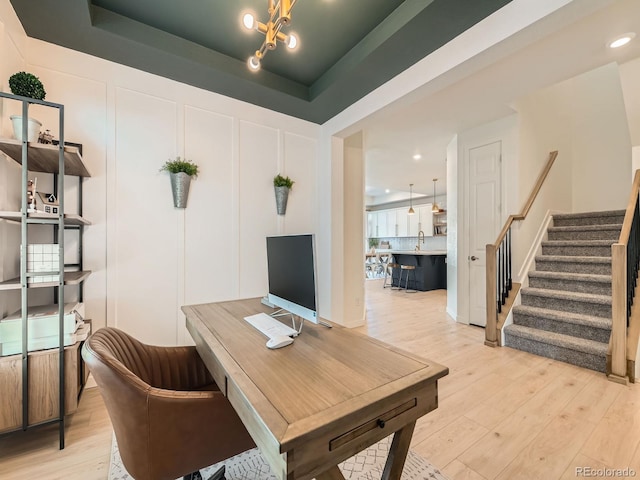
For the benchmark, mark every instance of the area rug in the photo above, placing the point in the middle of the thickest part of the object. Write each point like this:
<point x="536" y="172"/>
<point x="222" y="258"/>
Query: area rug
<point x="250" y="465"/>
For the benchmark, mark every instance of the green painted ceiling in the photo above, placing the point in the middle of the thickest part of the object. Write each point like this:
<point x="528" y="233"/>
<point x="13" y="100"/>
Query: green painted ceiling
<point x="347" y="48"/>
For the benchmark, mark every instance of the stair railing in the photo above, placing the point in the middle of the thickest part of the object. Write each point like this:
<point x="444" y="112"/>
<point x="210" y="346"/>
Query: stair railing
<point x="498" y="265"/>
<point x="625" y="256"/>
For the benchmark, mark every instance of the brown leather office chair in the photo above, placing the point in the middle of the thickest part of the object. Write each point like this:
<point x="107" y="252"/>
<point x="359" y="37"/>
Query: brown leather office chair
<point x="169" y="417"/>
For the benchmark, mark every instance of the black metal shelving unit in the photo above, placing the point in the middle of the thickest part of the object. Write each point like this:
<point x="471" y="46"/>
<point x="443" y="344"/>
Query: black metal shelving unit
<point x="41" y="158"/>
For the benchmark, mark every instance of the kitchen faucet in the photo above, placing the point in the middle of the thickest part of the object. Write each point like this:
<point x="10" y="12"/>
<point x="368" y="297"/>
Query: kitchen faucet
<point x="420" y="235"/>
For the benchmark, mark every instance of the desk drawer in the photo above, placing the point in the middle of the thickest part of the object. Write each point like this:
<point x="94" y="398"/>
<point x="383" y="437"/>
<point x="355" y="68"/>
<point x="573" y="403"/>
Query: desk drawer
<point x="375" y="423"/>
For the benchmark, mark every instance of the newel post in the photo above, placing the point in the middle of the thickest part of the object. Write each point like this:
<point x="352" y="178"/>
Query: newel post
<point x="491" y="329"/>
<point x="618" y="343"/>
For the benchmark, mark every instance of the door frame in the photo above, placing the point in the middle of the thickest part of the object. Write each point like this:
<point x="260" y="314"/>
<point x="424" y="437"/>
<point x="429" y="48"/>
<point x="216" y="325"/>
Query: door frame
<point x="505" y="132"/>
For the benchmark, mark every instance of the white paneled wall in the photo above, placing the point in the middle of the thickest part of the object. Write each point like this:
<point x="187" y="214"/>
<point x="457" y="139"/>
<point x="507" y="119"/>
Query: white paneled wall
<point x="148" y="258"/>
<point x="211" y="256"/>
<point x="258" y="161"/>
<point x="146" y="237"/>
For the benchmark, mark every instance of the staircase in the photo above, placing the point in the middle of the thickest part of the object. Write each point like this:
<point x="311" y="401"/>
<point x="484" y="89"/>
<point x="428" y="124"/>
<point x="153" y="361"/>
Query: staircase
<point x="566" y="310"/>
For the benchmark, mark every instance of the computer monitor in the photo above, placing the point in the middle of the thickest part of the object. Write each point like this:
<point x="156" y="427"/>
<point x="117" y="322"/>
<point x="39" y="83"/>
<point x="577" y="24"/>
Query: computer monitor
<point x="292" y="274"/>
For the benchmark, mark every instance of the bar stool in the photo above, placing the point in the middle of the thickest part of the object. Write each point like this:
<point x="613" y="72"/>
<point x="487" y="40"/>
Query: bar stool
<point x="390" y="265"/>
<point x="407" y="268"/>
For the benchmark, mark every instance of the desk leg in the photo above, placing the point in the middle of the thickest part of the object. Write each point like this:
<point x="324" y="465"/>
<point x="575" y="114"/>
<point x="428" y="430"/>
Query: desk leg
<point x="333" y="473"/>
<point x="398" y="452"/>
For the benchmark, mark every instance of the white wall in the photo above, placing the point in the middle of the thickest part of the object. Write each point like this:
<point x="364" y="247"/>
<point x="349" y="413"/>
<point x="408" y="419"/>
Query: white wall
<point x="630" y="79"/>
<point x="354" y="230"/>
<point x="12" y="40"/>
<point x="452" y="228"/>
<point x="601" y="141"/>
<point x="584" y="119"/>
<point x="147" y="257"/>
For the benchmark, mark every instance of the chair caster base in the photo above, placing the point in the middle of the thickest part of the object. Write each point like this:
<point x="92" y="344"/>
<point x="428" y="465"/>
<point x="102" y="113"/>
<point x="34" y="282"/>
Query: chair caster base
<point x="218" y="475"/>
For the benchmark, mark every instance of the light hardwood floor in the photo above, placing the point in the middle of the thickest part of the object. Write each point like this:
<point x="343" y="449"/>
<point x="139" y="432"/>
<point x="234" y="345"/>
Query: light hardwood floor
<point x="503" y="414"/>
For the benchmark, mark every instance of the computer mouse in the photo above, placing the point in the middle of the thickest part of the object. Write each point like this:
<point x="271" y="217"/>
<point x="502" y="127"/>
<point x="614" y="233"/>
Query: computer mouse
<point x="279" y="341"/>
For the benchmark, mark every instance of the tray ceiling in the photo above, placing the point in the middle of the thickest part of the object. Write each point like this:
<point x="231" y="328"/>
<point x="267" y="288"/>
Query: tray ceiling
<point x="347" y="48"/>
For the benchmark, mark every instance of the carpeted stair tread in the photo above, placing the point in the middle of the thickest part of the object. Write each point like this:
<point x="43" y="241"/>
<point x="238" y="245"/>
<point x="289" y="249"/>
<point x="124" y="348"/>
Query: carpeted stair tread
<point x="585" y="228"/>
<point x="609" y="231"/>
<point x="574" y="259"/>
<point x="580" y="277"/>
<point x="565" y="341"/>
<point x="557" y="315"/>
<point x="569" y="296"/>
<point x="605" y="213"/>
<point x="577" y="243"/>
<point x="588" y="218"/>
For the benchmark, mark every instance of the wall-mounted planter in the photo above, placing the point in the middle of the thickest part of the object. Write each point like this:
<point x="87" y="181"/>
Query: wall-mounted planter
<point x="282" y="195"/>
<point x="180" y="183"/>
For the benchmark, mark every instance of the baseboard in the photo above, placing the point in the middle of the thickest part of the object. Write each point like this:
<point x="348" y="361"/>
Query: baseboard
<point x="452" y="314"/>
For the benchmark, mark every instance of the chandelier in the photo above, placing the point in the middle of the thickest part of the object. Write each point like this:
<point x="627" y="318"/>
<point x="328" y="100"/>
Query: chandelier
<point x="279" y="16"/>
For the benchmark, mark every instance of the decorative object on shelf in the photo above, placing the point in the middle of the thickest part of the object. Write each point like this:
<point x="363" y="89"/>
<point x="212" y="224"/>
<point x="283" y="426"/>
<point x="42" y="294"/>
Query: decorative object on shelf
<point x="373" y="244"/>
<point x="47" y="203"/>
<point x="279" y="16"/>
<point x="282" y="185"/>
<point x="31" y="195"/>
<point x="45" y="137"/>
<point x="435" y="207"/>
<point x="26" y="85"/>
<point x="180" y="172"/>
<point x="411" y="210"/>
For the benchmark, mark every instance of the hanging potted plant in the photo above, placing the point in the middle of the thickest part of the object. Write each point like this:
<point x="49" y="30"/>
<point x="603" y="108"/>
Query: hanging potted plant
<point x="180" y="172"/>
<point x="282" y="185"/>
<point x="26" y="85"/>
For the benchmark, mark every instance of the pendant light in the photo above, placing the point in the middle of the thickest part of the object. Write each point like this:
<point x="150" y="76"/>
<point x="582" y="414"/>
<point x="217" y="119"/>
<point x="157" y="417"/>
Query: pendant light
<point x="411" y="210"/>
<point x="434" y="207"/>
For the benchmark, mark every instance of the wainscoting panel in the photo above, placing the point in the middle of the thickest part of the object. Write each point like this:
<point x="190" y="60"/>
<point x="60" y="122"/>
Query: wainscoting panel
<point x="258" y="164"/>
<point x="147" y="235"/>
<point x="211" y="247"/>
<point x="300" y="164"/>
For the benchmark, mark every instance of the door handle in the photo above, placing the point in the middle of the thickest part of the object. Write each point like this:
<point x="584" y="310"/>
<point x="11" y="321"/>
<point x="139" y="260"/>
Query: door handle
<point x="473" y="258"/>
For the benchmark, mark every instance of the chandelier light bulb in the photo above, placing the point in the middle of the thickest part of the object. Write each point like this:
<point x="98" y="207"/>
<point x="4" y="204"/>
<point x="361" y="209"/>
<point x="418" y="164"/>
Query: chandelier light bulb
<point x="253" y="63"/>
<point x="292" y="41"/>
<point x="249" y="21"/>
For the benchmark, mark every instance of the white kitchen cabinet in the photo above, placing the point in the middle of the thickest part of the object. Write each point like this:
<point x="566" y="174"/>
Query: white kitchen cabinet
<point x="425" y="220"/>
<point x="396" y="222"/>
<point x="372" y="224"/>
<point x="392" y="223"/>
<point x="402" y="220"/>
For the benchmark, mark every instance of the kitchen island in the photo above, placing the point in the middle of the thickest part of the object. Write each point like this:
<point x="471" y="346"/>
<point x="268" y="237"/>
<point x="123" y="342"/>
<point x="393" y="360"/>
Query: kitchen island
<point x="430" y="272"/>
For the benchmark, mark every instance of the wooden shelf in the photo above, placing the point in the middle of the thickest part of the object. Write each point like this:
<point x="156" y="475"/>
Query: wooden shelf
<point x="45" y="158"/>
<point x="70" y="219"/>
<point x="70" y="278"/>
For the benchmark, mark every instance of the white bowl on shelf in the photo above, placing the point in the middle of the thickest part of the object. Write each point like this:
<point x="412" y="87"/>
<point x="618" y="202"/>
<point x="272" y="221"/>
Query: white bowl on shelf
<point x="33" y="128"/>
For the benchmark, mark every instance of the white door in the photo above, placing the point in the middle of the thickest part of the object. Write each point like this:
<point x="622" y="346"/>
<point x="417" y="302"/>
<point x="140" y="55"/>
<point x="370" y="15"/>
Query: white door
<point x="426" y="220"/>
<point x="483" y="207"/>
<point x="392" y="224"/>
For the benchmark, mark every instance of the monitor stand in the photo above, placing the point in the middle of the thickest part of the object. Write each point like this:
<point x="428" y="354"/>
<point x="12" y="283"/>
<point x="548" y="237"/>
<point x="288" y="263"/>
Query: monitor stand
<point x="283" y="313"/>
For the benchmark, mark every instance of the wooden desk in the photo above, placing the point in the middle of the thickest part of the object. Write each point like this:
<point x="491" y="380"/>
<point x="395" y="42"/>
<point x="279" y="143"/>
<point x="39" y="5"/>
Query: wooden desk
<point x="317" y="402"/>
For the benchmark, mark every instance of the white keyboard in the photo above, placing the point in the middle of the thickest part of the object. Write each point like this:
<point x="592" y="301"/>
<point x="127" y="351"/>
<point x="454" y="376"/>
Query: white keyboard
<point x="269" y="326"/>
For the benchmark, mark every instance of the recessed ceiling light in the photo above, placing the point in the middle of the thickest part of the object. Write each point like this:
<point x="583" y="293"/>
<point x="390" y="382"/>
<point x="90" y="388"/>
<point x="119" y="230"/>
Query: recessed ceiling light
<point x="417" y="156"/>
<point x="387" y="191"/>
<point x="622" y="40"/>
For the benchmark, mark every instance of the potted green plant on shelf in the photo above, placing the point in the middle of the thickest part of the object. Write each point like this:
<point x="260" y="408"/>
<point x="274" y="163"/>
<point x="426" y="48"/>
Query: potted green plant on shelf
<point x="282" y="185"/>
<point x="27" y="85"/>
<point x="373" y="244"/>
<point x="180" y="172"/>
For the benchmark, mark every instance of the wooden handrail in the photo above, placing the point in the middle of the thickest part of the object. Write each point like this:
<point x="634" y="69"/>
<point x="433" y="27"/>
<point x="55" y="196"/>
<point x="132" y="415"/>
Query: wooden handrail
<point x="625" y="232"/>
<point x="617" y="368"/>
<point x="532" y="196"/>
<point x="491" y="330"/>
